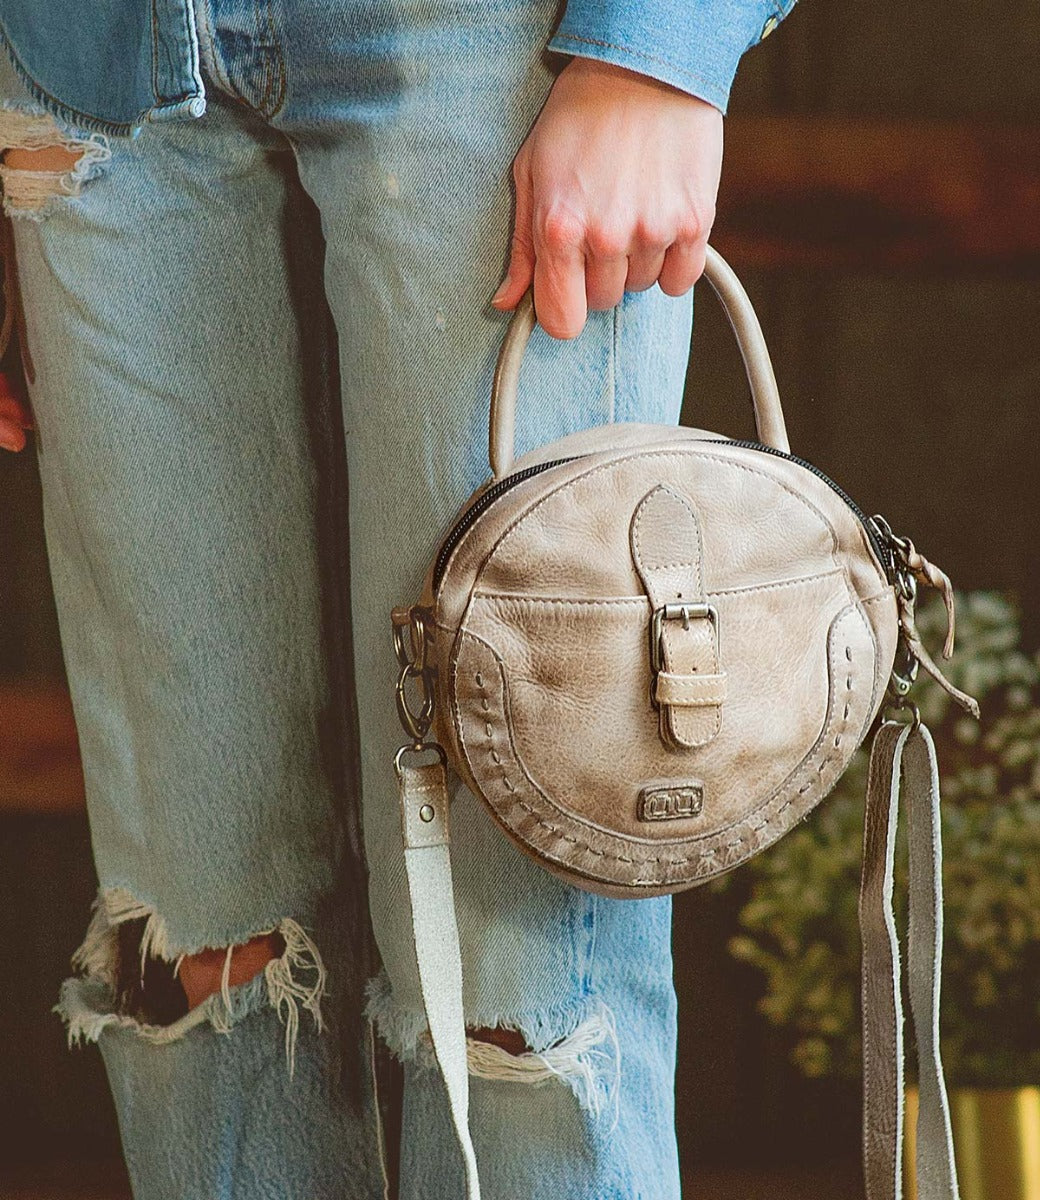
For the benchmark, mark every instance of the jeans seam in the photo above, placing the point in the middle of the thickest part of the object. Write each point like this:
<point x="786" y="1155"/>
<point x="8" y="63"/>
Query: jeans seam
<point x="614" y="341"/>
<point x="275" y="86"/>
<point x="592" y="910"/>
<point x="216" y="65"/>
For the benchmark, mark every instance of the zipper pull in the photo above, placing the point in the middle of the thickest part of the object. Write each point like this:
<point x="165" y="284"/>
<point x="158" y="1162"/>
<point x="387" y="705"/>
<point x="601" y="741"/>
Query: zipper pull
<point x="929" y="575"/>
<point x="908" y="569"/>
<point x="912" y="641"/>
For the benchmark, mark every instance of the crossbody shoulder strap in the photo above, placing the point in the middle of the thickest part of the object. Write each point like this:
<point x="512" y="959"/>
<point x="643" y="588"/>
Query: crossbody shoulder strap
<point x="903" y="758"/>
<point x="425" y="825"/>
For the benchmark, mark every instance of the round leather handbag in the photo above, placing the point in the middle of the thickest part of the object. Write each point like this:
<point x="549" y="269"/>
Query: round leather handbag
<point x="650" y="650"/>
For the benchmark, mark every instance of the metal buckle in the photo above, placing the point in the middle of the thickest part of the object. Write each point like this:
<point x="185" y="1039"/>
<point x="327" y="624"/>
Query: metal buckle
<point x="685" y="611"/>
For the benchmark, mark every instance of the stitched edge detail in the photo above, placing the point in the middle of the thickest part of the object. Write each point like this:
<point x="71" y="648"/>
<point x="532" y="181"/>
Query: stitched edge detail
<point x="694" y="445"/>
<point x="523" y="598"/>
<point x="617" y="458"/>
<point x="704" y="856"/>
<point x="695" y="561"/>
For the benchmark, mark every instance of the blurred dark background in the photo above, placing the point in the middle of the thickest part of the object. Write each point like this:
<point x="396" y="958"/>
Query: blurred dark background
<point x="881" y="202"/>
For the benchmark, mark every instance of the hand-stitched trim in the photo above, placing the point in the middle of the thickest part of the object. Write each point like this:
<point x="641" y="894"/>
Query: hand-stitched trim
<point x="831" y="756"/>
<point x="666" y="860"/>
<point x="511" y="787"/>
<point x="643" y="601"/>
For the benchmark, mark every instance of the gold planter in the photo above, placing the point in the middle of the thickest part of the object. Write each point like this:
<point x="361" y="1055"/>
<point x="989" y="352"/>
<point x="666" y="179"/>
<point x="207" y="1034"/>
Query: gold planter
<point x="996" y="1138"/>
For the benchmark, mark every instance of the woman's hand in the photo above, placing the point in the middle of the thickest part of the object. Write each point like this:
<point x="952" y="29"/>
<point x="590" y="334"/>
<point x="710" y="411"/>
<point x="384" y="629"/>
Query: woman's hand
<point x="15" y="416"/>
<point x="615" y="191"/>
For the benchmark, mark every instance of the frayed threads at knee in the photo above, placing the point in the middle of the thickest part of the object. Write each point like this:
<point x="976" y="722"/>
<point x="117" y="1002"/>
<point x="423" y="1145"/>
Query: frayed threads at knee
<point x="575" y="1044"/>
<point x="43" y="165"/>
<point x="97" y="998"/>
<point x="587" y="1060"/>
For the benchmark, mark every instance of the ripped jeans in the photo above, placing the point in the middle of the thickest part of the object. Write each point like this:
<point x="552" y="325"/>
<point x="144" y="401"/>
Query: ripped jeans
<point x="211" y="309"/>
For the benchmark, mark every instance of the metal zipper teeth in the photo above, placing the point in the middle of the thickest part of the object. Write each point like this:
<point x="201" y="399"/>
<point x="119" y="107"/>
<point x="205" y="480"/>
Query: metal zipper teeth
<point x="478" y="506"/>
<point x="493" y="493"/>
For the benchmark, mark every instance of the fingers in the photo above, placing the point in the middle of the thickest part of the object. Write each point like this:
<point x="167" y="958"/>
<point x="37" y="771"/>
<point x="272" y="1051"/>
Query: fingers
<point x="520" y="273"/>
<point x="573" y="275"/>
<point x="15" y="416"/>
<point x="559" y="272"/>
<point x="546" y="250"/>
<point x="683" y="265"/>
<point x="607" y="279"/>
<point x="644" y="267"/>
<point x="578" y="267"/>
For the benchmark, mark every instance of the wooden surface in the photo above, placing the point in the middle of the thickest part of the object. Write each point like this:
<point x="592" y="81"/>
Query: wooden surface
<point x="845" y="192"/>
<point x="40" y="768"/>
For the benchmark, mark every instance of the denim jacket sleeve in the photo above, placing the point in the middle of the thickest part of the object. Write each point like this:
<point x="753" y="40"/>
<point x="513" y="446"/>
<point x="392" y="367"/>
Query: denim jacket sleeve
<point x="694" y="45"/>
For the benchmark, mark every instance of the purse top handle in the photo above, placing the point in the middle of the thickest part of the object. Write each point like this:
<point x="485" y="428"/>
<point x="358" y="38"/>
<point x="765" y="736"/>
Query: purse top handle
<point x="769" y="416"/>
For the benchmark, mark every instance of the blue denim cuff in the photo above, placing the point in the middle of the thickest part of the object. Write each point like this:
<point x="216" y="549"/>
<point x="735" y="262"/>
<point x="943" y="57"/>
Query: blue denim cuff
<point x="695" y="45"/>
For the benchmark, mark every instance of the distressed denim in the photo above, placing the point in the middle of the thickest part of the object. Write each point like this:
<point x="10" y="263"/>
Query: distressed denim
<point x="113" y="66"/>
<point x="197" y="301"/>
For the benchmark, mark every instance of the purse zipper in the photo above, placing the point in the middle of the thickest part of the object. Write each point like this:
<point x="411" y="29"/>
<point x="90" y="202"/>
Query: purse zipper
<point x="878" y="540"/>
<point x="479" y="505"/>
<point x="879" y="543"/>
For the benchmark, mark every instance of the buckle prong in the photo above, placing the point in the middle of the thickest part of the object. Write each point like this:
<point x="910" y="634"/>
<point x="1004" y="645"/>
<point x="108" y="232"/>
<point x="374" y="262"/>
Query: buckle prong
<point x="685" y="611"/>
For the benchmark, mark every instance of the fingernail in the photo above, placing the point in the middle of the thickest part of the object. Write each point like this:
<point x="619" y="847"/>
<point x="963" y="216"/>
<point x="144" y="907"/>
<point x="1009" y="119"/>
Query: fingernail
<point x="503" y="287"/>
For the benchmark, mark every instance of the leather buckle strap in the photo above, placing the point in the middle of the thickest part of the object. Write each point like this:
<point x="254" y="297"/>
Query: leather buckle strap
<point x="687" y="685"/>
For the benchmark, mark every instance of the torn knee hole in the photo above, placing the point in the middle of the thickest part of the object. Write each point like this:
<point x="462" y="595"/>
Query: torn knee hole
<point x="133" y="976"/>
<point x="152" y="988"/>
<point x="587" y="1059"/>
<point x="40" y="164"/>
<point x="206" y="972"/>
<point x="512" y="1041"/>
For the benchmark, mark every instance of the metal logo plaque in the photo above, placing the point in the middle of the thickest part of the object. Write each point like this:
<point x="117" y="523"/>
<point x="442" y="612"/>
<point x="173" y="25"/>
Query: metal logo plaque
<point x="671" y="802"/>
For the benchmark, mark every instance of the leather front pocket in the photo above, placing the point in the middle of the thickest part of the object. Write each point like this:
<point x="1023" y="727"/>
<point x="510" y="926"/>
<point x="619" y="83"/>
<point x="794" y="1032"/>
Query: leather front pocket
<point x="554" y="716"/>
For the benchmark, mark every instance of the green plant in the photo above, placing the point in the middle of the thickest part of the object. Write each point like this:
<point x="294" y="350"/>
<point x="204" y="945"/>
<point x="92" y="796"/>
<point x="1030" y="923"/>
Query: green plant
<point x="798" y="900"/>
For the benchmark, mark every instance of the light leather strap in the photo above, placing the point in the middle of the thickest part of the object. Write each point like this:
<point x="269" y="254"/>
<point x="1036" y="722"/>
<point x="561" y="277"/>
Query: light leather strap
<point x="424" y="816"/>
<point x="936" y="1168"/>
<point x="665" y="537"/>
<point x="765" y="396"/>
<point x="903" y="754"/>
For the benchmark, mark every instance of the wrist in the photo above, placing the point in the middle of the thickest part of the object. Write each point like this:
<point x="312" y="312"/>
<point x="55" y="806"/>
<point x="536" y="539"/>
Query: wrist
<point x="594" y="72"/>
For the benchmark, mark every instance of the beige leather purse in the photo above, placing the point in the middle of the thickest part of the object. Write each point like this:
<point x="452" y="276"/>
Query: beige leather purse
<point x="651" y="650"/>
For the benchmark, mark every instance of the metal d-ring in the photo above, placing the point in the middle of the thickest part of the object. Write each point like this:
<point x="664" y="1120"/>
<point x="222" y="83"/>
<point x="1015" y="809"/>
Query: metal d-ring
<point x="904" y="705"/>
<point x="412" y="652"/>
<point x="417" y="747"/>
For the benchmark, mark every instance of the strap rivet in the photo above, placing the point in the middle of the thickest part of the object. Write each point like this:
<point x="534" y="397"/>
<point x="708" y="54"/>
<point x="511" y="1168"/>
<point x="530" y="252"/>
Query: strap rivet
<point x="426" y="813"/>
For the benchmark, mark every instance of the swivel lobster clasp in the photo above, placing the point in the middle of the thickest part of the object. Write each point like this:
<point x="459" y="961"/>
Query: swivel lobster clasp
<point x="411" y="645"/>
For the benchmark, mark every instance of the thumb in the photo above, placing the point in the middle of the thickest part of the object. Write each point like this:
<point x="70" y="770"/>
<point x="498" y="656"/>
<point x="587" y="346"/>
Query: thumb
<point x="520" y="273"/>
